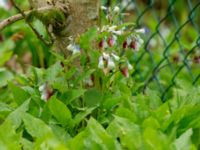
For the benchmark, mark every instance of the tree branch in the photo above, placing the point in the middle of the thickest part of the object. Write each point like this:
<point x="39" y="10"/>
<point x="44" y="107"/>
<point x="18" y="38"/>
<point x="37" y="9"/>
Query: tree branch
<point x="39" y="36"/>
<point x="15" y="18"/>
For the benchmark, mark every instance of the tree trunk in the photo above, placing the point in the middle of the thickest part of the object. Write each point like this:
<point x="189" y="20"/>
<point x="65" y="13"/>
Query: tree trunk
<point x="82" y="15"/>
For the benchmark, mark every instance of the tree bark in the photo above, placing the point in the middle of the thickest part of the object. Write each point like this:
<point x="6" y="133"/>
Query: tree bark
<point x="82" y="15"/>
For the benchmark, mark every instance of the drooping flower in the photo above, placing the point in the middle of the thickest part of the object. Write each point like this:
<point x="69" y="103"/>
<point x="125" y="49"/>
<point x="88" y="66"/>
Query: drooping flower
<point x="125" y="72"/>
<point x="103" y="8"/>
<point x="101" y="63"/>
<point x="103" y="44"/>
<point x="112" y="40"/>
<point x="117" y="58"/>
<point x="46" y="92"/>
<point x="74" y="48"/>
<point x="116" y="10"/>
<point x="130" y="67"/>
<point x="111" y="64"/>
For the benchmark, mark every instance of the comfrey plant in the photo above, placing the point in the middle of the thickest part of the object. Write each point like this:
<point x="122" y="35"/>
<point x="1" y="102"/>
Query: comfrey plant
<point x="103" y="55"/>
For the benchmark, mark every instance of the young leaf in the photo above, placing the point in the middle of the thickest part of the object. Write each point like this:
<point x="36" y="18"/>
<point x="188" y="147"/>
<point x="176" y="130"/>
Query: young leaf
<point x="20" y="95"/>
<point x="60" y="111"/>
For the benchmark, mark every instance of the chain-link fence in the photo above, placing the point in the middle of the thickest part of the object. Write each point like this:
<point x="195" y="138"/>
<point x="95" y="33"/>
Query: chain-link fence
<point x="172" y="47"/>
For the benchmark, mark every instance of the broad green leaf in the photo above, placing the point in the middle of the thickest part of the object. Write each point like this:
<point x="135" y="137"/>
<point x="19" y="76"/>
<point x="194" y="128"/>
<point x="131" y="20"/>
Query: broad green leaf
<point x="60" y="111"/>
<point x="111" y="102"/>
<point x="43" y="134"/>
<point x="71" y="95"/>
<point x="16" y="116"/>
<point x="87" y="37"/>
<point x="36" y="127"/>
<point x="5" y="76"/>
<point x="9" y="139"/>
<point x="93" y="137"/>
<point x="5" y="107"/>
<point x="155" y="139"/>
<point x="81" y="115"/>
<point x="20" y="95"/>
<point x="126" y="113"/>
<point x="184" y="141"/>
<point x="53" y="71"/>
<point x="151" y="122"/>
<point x="27" y="145"/>
<point x="61" y="133"/>
<point x="93" y="97"/>
<point x="127" y="132"/>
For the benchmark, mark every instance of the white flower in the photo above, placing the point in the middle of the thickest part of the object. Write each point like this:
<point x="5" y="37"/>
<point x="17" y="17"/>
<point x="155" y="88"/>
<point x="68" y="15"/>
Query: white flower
<point x="140" y="40"/>
<point x="101" y="63"/>
<point x="103" y="8"/>
<point x="111" y="64"/>
<point x="119" y="32"/>
<point x="88" y="81"/>
<point x="116" y="9"/>
<point x="117" y="58"/>
<point x="142" y="30"/>
<point x="44" y="96"/>
<point x="112" y="28"/>
<point x="106" y="56"/>
<point x="42" y="87"/>
<point x="130" y="67"/>
<point x="129" y="40"/>
<point x="73" y="48"/>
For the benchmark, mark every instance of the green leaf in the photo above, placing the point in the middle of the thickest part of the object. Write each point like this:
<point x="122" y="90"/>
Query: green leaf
<point x="184" y="141"/>
<point x="53" y="71"/>
<point x="127" y="132"/>
<point x="87" y="37"/>
<point x="20" y="95"/>
<point x="5" y="76"/>
<point x="9" y="139"/>
<point x="81" y="115"/>
<point x="93" y="137"/>
<point x="93" y="97"/>
<point x="71" y="95"/>
<point x="126" y="113"/>
<point x="16" y="116"/>
<point x="36" y="127"/>
<point x="154" y="139"/>
<point x="60" y="111"/>
<point x="43" y="134"/>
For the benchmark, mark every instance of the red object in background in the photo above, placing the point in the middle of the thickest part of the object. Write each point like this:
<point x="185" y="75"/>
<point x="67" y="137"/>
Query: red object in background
<point x="133" y="44"/>
<point x="49" y="94"/>
<point x="101" y="44"/>
<point x="176" y="59"/>
<point x="196" y="59"/>
<point x="124" y="71"/>
<point x="125" y="44"/>
<point x="111" y="41"/>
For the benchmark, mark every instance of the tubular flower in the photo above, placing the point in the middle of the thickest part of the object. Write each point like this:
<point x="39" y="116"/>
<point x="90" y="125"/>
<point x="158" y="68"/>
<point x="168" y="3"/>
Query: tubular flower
<point x="117" y="58"/>
<point x="101" y="63"/>
<point x="73" y="48"/>
<point x="111" y="64"/>
<point x="46" y="92"/>
<point x="112" y="40"/>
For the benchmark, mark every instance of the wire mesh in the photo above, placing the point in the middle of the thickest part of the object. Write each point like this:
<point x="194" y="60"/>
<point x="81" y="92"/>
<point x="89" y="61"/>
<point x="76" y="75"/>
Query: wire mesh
<point x="172" y="48"/>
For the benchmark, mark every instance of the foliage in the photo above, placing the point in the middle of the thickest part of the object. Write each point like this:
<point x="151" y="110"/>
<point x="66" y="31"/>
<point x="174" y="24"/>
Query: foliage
<point x="89" y="101"/>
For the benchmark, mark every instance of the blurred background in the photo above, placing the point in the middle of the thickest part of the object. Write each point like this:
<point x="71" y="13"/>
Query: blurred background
<point x="170" y="56"/>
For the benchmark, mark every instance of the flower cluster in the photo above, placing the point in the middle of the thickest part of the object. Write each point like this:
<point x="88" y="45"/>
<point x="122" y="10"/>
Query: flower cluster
<point x="113" y="43"/>
<point x="111" y="48"/>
